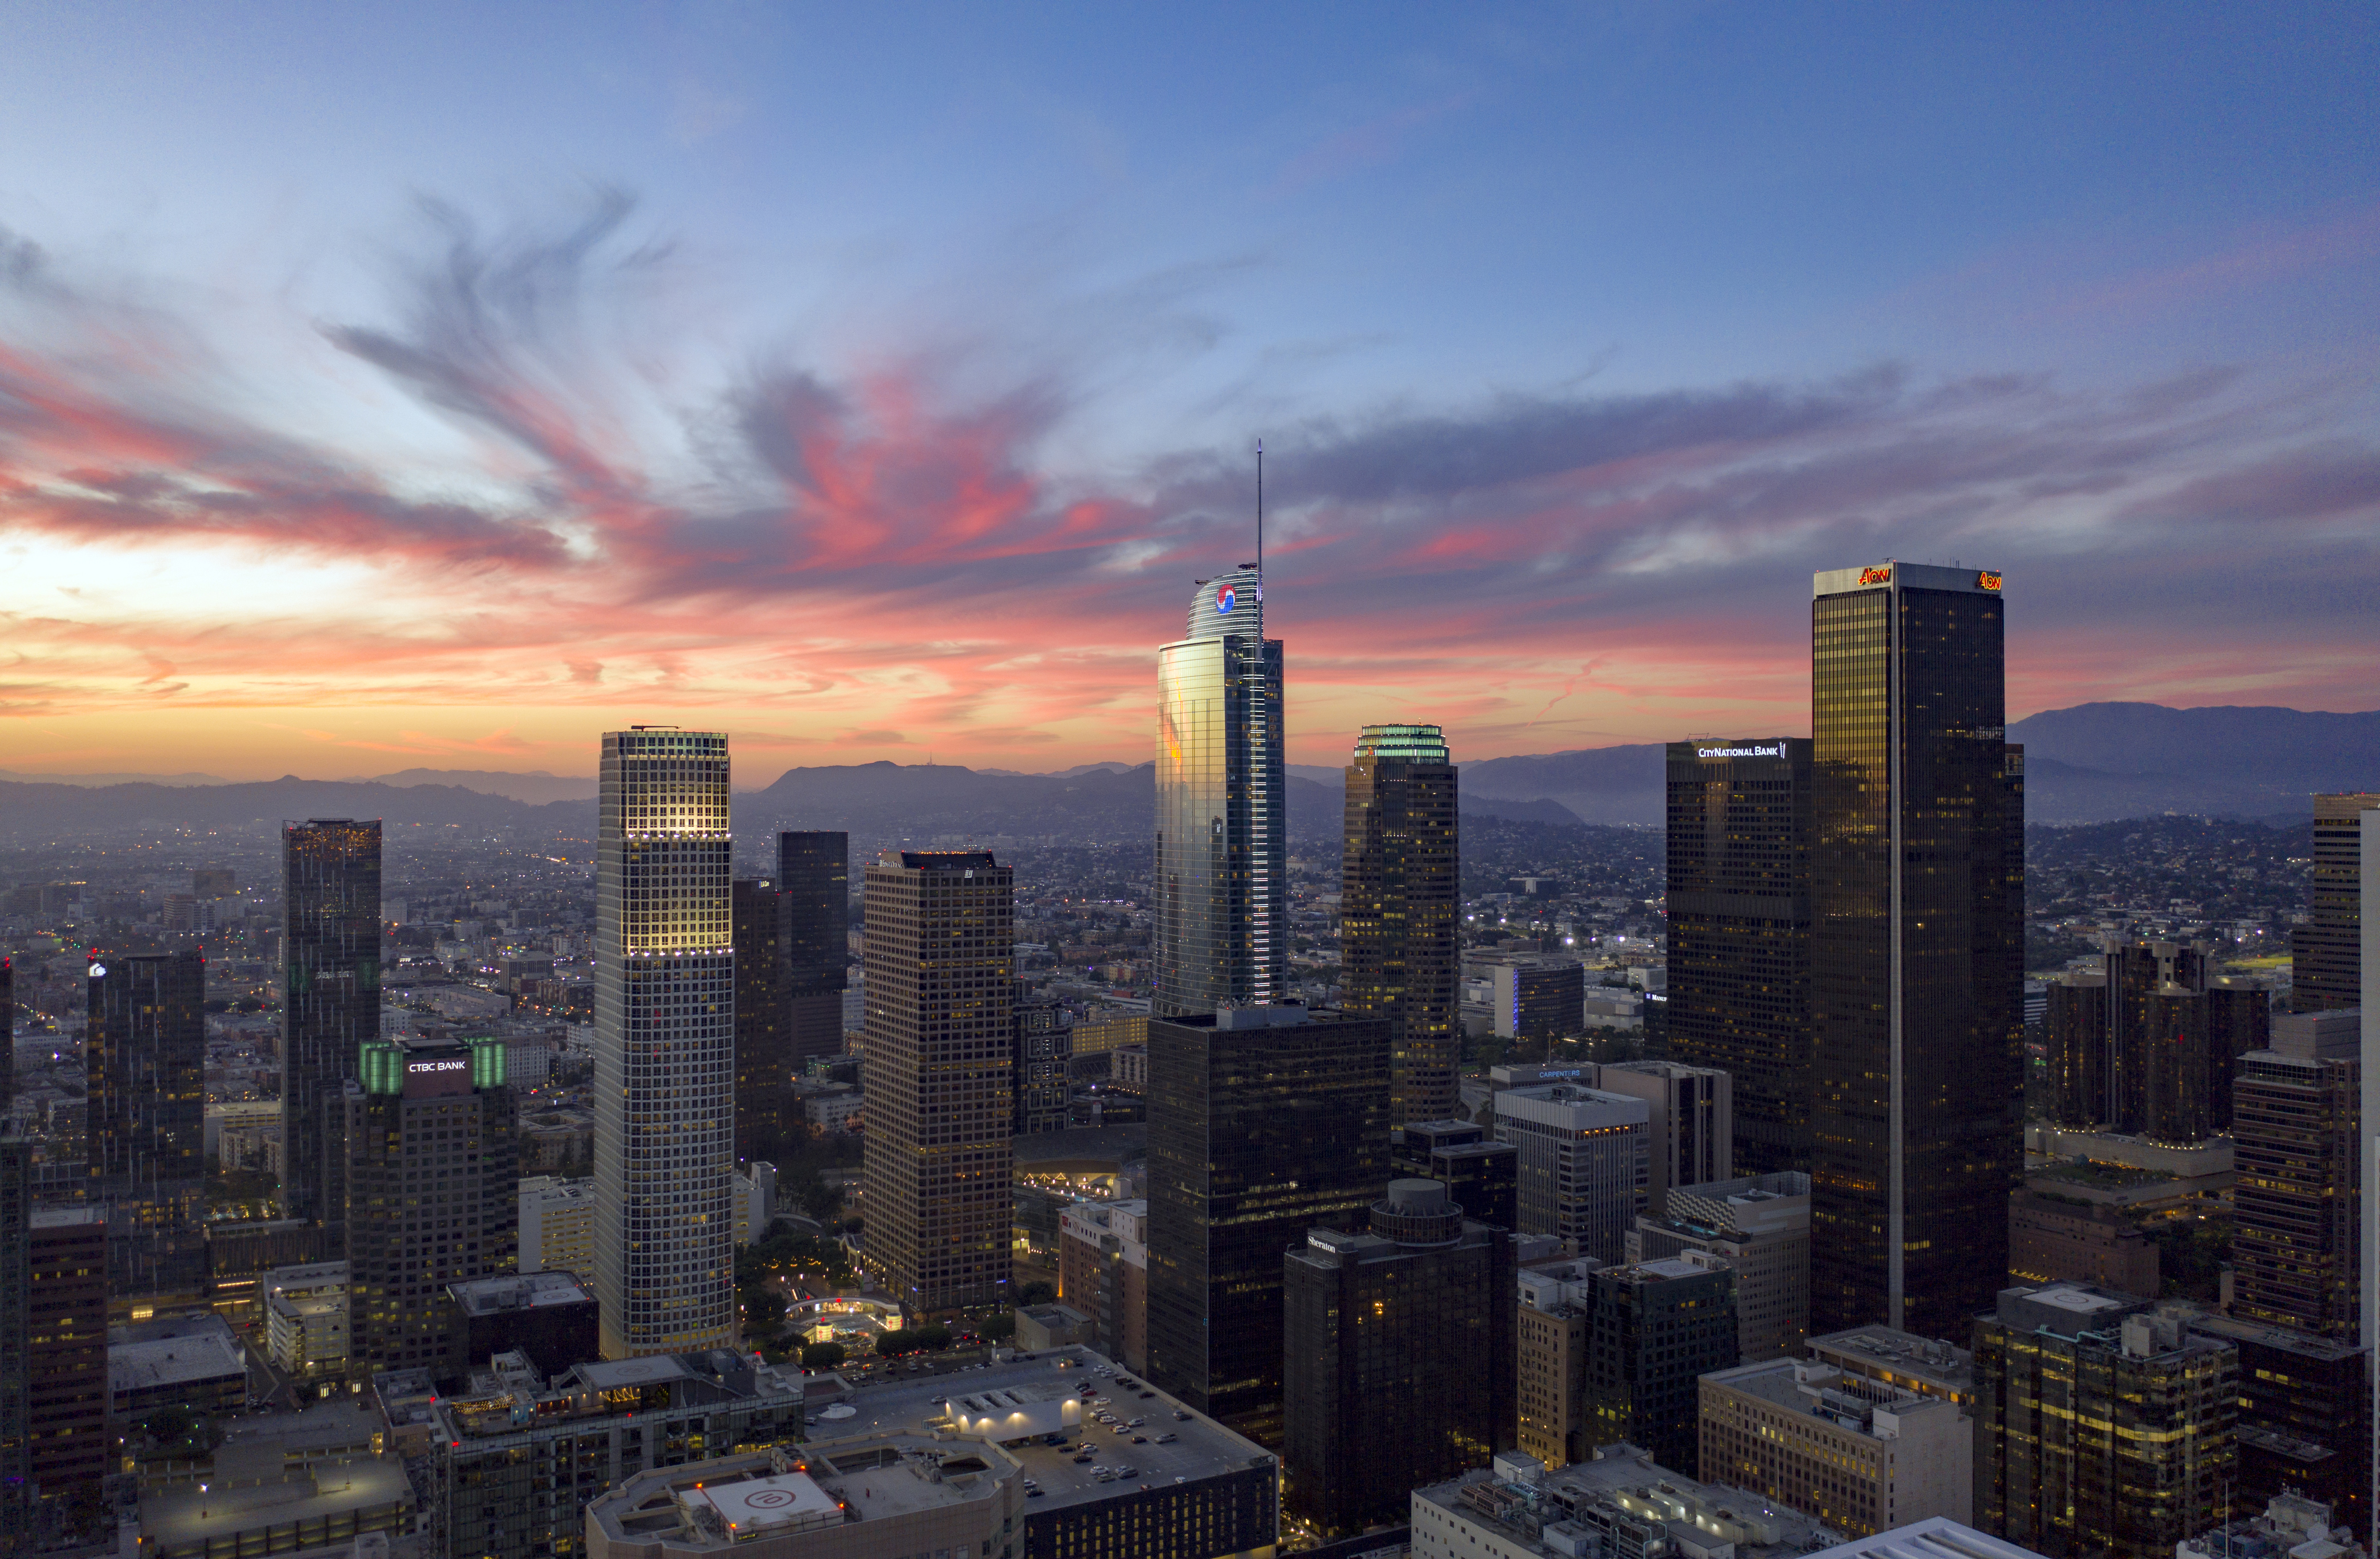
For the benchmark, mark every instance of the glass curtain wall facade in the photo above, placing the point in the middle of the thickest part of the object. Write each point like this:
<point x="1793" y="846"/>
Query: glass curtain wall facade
<point x="1222" y="813"/>
<point x="145" y="1045"/>
<point x="941" y="933"/>
<point x="1739" y="930"/>
<point x="1917" y="949"/>
<point x="814" y="874"/>
<point x="664" y="1044"/>
<point x="329" y="953"/>
<point x="766" y="1108"/>
<point x="1401" y="899"/>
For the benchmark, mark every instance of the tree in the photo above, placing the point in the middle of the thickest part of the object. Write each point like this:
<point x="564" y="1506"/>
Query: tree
<point x="822" y="1356"/>
<point x="1037" y="1292"/>
<point x="999" y="1329"/>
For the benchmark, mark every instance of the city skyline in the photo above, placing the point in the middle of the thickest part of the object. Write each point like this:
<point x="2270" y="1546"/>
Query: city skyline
<point x="798" y="374"/>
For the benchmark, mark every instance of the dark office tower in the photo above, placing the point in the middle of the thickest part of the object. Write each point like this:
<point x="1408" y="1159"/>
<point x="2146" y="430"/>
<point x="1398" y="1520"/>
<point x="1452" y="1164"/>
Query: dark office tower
<point x="1481" y="1175"/>
<point x="1263" y="1122"/>
<point x="1400" y="1367"/>
<point x="1652" y="1330"/>
<point x="2306" y="1417"/>
<point x="941" y="1037"/>
<point x="2298" y="1204"/>
<point x="330" y="955"/>
<point x="1916" y="869"/>
<point x="1401" y="888"/>
<point x="71" y="1448"/>
<point x="814" y="873"/>
<point x="144" y="1048"/>
<point x="16" y="1364"/>
<point x="1223" y="807"/>
<point x="766" y="1108"/>
<point x="2101" y="1429"/>
<point x="433" y="1188"/>
<point x="2326" y="952"/>
<point x="7" y="1032"/>
<point x="1043" y="1048"/>
<point x="1739" y="928"/>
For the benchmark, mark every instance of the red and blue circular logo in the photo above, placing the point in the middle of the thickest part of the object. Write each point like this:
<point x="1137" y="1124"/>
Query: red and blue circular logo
<point x="1226" y="598"/>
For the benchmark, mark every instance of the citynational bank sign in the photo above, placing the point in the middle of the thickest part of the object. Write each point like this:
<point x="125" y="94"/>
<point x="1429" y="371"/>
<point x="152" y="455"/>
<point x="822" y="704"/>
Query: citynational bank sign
<point x="1752" y="750"/>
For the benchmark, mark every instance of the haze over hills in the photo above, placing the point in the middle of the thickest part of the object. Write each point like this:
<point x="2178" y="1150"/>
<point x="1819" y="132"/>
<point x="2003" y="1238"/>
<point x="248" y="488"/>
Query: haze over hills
<point x="2092" y="763"/>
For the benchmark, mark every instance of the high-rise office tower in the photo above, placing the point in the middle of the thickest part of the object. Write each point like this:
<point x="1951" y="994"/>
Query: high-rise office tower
<point x="330" y="958"/>
<point x="664" y="1044"/>
<point x="7" y="1030"/>
<point x="144" y="1047"/>
<point x="941" y="1041"/>
<point x="814" y="876"/>
<point x="1584" y="1164"/>
<point x="1400" y="956"/>
<point x="2101" y="1428"/>
<point x="16" y="1364"/>
<point x="1263" y="1122"/>
<point x="72" y="1451"/>
<point x="1400" y="1367"/>
<point x="1652" y="1329"/>
<point x="1917" y="864"/>
<point x="2146" y="1043"/>
<point x="1042" y="1050"/>
<point x="1223" y="807"/>
<point x="1758" y="1224"/>
<point x="766" y="1106"/>
<point x="2298" y="1203"/>
<point x="1480" y="1174"/>
<point x="2326" y="952"/>
<point x="1739" y="930"/>
<point x="2305" y="1417"/>
<point x="1690" y="1122"/>
<point x="432" y="1182"/>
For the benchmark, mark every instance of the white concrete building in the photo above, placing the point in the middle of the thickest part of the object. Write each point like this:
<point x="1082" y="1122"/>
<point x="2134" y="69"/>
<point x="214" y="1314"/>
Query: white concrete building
<point x="1861" y="1456"/>
<point x="306" y="1317"/>
<point x="1583" y="1163"/>
<point x="557" y="1225"/>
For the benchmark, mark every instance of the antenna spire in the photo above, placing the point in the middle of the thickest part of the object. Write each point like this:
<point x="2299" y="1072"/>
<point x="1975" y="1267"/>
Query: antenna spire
<point x="1259" y="513"/>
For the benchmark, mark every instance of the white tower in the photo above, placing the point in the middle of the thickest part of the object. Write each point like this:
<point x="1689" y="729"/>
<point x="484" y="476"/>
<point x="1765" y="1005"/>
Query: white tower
<point x="664" y="1046"/>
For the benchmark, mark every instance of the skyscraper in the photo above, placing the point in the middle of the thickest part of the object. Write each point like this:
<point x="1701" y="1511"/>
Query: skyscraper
<point x="330" y="955"/>
<point x="7" y="1030"/>
<point x="1739" y="930"/>
<point x="1917" y="949"/>
<point x="664" y="1044"/>
<point x="2146" y="1043"/>
<point x="1652" y="1328"/>
<point x="1222" y="813"/>
<point x="432" y="1182"/>
<point x="1401" y="876"/>
<point x="2326" y="952"/>
<point x="144" y="1045"/>
<point x="2299" y="1201"/>
<point x="814" y="874"/>
<point x="1584" y="1164"/>
<point x="16" y="1363"/>
<point x="1263" y="1122"/>
<point x="1041" y="1050"/>
<point x="941" y="1042"/>
<point x="766" y="1106"/>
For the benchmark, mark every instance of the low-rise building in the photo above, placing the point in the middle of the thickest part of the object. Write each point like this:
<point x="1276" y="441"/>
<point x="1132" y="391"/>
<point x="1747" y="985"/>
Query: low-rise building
<point x="1937" y="1537"/>
<point x="1914" y="1364"/>
<point x="2055" y="1238"/>
<point x="193" y="1362"/>
<point x="1760" y="1227"/>
<point x="2289" y="1524"/>
<point x="1104" y="1273"/>
<point x="550" y="1316"/>
<point x="875" y="1496"/>
<point x="1621" y="1502"/>
<point x="306" y="1318"/>
<point x="557" y="1225"/>
<point x="1860" y="1455"/>
<point x="833" y="1107"/>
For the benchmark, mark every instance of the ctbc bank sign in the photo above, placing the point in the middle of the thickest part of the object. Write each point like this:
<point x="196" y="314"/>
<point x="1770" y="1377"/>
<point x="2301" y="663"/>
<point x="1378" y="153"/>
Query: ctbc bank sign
<point x="1776" y="749"/>
<point x="431" y="1068"/>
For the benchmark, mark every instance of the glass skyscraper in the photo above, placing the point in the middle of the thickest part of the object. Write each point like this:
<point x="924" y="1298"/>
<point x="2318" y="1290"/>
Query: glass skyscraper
<point x="1222" y="840"/>
<point x="145" y="1045"/>
<point x="330" y="955"/>
<point x="1917" y="950"/>
<point x="813" y="877"/>
<point x="664" y="1044"/>
<point x="1400" y="896"/>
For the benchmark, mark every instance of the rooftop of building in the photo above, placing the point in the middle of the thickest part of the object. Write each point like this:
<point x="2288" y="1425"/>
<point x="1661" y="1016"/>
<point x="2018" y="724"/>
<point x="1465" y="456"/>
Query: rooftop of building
<point x="1936" y="1536"/>
<point x="1536" y="1510"/>
<point x="729" y="1500"/>
<point x="2239" y="1329"/>
<point x="1084" y="1148"/>
<point x="1922" y="1364"/>
<point x="163" y="1362"/>
<point x="1823" y="1391"/>
<point x="187" y="1516"/>
<point x="517" y="1292"/>
<point x="2289" y="1524"/>
<point x="510" y="1395"/>
<point x="1203" y="1448"/>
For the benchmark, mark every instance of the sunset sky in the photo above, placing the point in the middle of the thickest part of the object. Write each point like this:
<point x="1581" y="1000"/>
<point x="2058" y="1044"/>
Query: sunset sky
<point x="441" y="385"/>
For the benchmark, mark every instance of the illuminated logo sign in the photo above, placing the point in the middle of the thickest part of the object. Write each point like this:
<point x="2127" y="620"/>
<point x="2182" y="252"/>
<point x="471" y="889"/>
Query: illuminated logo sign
<point x="1776" y="749"/>
<point x="1226" y="598"/>
<point x="432" y="1067"/>
<point x="99" y="971"/>
<point x="1877" y="576"/>
<point x="1988" y="580"/>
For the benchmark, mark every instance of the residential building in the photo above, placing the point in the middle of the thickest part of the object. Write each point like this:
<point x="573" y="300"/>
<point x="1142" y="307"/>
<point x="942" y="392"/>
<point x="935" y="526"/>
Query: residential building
<point x="557" y="1225"/>
<point x="2055" y="1239"/>
<point x="1400" y="905"/>
<point x="2147" y="1043"/>
<point x="1690" y="1122"/>
<point x="306" y="1317"/>
<point x="1221" y="931"/>
<point x="2295" y="1114"/>
<point x="1739" y="934"/>
<point x="433" y="1190"/>
<point x="768" y="1116"/>
<point x="550" y="1316"/>
<point x="1760" y="1227"/>
<point x="2305" y="1414"/>
<point x="1537" y="998"/>
<point x="144" y="1051"/>
<point x="664" y="1136"/>
<point x="1549" y="1351"/>
<point x="515" y="1455"/>
<point x="1860" y="1456"/>
<point x="941" y="1037"/>
<point x="1103" y="1273"/>
<point x="1263" y="1122"/>
<point x="2326" y="952"/>
<point x="1621" y="1502"/>
<point x="1040" y="1054"/>
<point x="1583" y="1165"/>
<point x="1652" y="1328"/>
<point x="69" y="1450"/>
<point x="1399" y="1366"/>
<point x="2101" y="1428"/>
<point x="330" y="970"/>
<point x="814" y="876"/>
<point x="1480" y="1174"/>
<point x="1916" y="976"/>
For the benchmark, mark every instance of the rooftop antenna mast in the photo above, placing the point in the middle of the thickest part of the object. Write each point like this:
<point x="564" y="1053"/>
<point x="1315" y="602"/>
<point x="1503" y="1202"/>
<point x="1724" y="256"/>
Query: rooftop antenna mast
<point x="1260" y="519"/>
